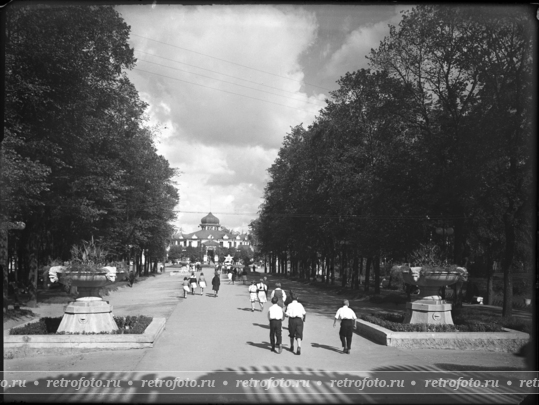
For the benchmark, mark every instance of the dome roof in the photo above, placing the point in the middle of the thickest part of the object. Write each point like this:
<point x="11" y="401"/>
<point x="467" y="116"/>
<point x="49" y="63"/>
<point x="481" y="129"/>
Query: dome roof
<point x="210" y="219"/>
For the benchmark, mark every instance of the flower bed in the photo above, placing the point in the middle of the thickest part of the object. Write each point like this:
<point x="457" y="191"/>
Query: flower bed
<point x="49" y="326"/>
<point x="464" y="322"/>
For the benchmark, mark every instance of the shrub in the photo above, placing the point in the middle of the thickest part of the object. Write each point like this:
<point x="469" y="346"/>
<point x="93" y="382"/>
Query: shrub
<point x="47" y="326"/>
<point x="395" y="276"/>
<point x="132" y="324"/>
<point x="391" y="316"/>
<point x="394" y="323"/>
<point x="394" y="299"/>
<point x="516" y="323"/>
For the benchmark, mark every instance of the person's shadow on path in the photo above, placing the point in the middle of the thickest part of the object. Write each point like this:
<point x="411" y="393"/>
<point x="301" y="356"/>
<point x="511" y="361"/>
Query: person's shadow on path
<point x="331" y="348"/>
<point x="261" y="325"/>
<point x="263" y="345"/>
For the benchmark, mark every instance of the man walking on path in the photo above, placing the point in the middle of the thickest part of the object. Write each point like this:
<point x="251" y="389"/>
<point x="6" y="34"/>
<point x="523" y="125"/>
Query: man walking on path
<point x="216" y="283"/>
<point x="296" y="315"/>
<point x="348" y="324"/>
<point x="279" y="294"/>
<point x="276" y="316"/>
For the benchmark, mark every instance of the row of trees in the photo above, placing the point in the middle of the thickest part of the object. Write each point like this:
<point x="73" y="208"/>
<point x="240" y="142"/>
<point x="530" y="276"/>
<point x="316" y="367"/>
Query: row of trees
<point x="78" y="158"/>
<point x="436" y="134"/>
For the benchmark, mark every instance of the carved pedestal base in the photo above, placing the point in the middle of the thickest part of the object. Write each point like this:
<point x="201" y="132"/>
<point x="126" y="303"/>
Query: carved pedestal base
<point x="88" y="314"/>
<point x="428" y="311"/>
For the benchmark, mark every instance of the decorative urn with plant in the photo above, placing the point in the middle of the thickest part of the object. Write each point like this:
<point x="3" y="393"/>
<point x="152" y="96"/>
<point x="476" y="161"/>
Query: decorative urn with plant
<point x="88" y="270"/>
<point x="430" y="273"/>
<point x="89" y="273"/>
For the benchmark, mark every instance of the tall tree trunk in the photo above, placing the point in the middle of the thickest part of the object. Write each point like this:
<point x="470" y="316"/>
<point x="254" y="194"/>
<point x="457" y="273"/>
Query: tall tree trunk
<point x="507" y="263"/>
<point x="367" y="274"/>
<point x="327" y="267"/>
<point x="459" y="242"/>
<point x="355" y="274"/>
<point x="32" y="281"/>
<point x="376" y="266"/>
<point x="332" y="269"/>
<point x="491" y="268"/>
<point x="343" y="273"/>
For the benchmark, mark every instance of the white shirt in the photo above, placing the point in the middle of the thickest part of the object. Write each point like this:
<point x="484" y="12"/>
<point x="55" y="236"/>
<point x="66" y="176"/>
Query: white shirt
<point x="295" y="309"/>
<point x="252" y="288"/>
<point x="345" y="313"/>
<point x="275" y="312"/>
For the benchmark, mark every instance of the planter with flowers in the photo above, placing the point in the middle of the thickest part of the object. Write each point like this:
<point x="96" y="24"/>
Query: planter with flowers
<point x="430" y="274"/>
<point x="88" y="271"/>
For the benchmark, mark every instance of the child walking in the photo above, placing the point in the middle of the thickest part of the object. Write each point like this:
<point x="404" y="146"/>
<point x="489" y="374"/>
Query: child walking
<point x="202" y="283"/>
<point x="185" y="287"/>
<point x="253" y="295"/>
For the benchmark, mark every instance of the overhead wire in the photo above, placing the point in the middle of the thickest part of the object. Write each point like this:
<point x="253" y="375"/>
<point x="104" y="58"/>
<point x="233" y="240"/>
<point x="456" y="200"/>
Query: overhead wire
<point x="224" y="91"/>
<point x="234" y="63"/>
<point x="343" y="216"/>
<point x="213" y="71"/>
<point x="235" y="84"/>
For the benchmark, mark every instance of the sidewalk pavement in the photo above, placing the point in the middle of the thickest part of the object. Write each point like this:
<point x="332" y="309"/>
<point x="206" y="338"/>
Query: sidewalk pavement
<point x="209" y="337"/>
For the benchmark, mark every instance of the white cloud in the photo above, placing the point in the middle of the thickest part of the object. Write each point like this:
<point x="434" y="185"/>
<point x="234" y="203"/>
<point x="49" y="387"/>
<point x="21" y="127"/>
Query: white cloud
<point x="351" y="55"/>
<point x="224" y="84"/>
<point x="220" y="135"/>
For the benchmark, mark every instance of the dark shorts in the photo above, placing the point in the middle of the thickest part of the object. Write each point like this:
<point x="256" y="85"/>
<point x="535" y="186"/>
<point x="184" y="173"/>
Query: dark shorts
<point x="295" y="328"/>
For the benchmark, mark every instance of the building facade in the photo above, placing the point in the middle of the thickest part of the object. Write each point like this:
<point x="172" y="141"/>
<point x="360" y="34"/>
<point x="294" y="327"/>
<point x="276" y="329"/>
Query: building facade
<point x="211" y="237"/>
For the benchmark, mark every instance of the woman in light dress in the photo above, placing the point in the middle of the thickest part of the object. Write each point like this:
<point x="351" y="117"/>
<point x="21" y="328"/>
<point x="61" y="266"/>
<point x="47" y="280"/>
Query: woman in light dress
<point x="202" y="283"/>
<point x="193" y="282"/>
<point x="262" y="296"/>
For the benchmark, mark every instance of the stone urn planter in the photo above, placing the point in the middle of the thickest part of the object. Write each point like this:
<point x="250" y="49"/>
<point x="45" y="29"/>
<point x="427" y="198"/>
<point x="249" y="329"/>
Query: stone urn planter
<point x="428" y="306"/>
<point x="89" y="313"/>
<point x="88" y="283"/>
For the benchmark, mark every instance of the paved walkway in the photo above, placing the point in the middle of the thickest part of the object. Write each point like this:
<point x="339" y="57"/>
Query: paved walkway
<point x="220" y="339"/>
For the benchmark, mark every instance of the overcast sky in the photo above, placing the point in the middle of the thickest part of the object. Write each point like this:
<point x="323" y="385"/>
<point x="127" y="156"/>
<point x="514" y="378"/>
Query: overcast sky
<point x="226" y="83"/>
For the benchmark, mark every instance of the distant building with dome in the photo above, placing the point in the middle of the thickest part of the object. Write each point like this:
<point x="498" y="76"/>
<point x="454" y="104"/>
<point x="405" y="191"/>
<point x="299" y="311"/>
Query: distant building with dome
<point x="211" y="237"/>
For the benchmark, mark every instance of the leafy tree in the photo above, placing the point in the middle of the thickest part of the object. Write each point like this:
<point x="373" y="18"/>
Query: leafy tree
<point x="175" y="253"/>
<point x="77" y="150"/>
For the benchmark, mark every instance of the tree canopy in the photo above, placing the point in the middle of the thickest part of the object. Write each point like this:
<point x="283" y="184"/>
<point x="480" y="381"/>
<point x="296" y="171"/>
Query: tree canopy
<point x="437" y="133"/>
<point x="78" y="157"/>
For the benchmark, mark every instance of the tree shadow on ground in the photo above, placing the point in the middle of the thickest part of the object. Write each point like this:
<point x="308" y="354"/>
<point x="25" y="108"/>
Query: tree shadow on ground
<point x="263" y="384"/>
<point x="465" y="367"/>
<point x="326" y="303"/>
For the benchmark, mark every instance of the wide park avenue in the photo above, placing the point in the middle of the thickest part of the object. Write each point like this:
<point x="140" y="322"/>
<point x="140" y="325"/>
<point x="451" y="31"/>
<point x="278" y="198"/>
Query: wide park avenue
<point x="214" y="349"/>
